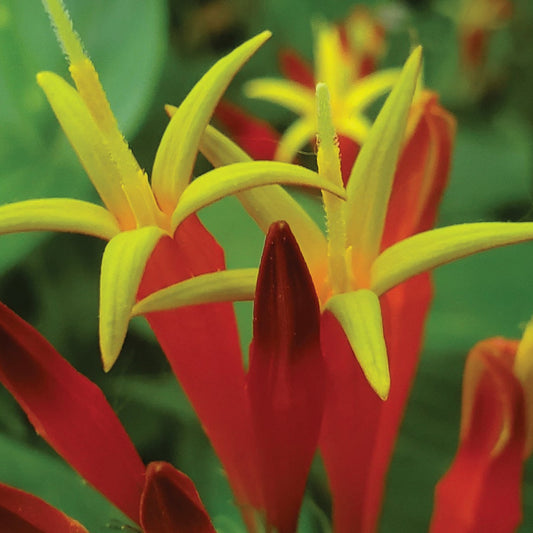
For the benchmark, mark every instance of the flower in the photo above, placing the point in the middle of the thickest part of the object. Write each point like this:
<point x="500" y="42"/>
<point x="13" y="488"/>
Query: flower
<point x="482" y="489"/>
<point x="136" y="216"/>
<point x="283" y="398"/>
<point x="477" y="20"/>
<point x="341" y="62"/>
<point x="352" y="51"/>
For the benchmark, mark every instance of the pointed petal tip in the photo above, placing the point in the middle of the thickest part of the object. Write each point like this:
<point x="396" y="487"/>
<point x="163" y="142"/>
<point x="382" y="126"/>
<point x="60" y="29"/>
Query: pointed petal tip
<point x="108" y="357"/>
<point x="359" y="315"/>
<point x="266" y="34"/>
<point x="278" y="230"/>
<point x="416" y="57"/>
<point x="417" y="52"/>
<point x="260" y="38"/>
<point x="284" y="288"/>
<point x="43" y="77"/>
<point x="382" y="387"/>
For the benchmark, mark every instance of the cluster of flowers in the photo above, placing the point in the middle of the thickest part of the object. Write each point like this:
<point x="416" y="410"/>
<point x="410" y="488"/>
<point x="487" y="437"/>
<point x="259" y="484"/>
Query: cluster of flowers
<point x="338" y="317"/>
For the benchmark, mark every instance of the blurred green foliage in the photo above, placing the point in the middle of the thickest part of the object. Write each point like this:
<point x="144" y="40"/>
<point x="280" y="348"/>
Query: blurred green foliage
<point x="151" y="53"/>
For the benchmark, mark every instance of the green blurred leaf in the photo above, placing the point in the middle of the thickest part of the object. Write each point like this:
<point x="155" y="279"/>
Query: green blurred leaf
<point x="492" y="166"/>
<point x="479" y="297"/>
<point x="45" y="476"/>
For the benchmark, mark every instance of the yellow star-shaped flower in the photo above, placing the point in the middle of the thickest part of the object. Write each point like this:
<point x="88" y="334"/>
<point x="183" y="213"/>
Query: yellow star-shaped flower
<point x="350" y="94"/>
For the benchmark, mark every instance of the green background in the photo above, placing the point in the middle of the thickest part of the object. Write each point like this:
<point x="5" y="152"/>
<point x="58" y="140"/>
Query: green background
<point x="150" y="53"/>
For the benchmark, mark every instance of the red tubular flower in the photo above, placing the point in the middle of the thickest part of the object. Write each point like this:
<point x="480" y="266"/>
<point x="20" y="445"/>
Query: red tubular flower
<point x="482" y="489"/>
<point x="205" y="355"/>
<point x="286" y="377"/>
<point x="21" y="512"/>
<point x="72" y="415"/>
<point x="359" y="430"/>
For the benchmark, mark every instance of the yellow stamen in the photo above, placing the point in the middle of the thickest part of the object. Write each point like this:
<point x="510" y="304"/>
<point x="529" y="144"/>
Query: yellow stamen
<point x="329" y="166"/>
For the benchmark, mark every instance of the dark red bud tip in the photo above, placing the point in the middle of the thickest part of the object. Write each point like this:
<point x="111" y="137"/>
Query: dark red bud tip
<point x="286" y="309"/>
<point x="170" y="503"/>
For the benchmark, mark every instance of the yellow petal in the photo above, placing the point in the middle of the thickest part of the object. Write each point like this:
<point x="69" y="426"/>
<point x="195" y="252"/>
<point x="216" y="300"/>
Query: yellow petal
<point x="355" y="127"/>
<point x="523" y="369"/>
<point x="66" y="36"/>
<point x="329" y="166"/>
<point x="223" y="286"/>
<point x="359" y="314"/>
<point x="368" y="89"/>
<point x="123" y="264"/>
<point x="371" y="179"/>
<point x="294" y="138"/>
<point x="58" y="214"/>
<point x="331" y="64"/>
<point x="289" y="94"/>
<point x="431" y="249"/>
<point x="89" y="144"/>
<point x="134" y="181"/>
<point x="177" y="152"/>
<point x="230" y="179"/>
<point x="268" y="204"/>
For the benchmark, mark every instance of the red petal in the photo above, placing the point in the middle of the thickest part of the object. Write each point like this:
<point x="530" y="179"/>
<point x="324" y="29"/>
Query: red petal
<point x="422" y="172"/>
<point x="286" y="377"/>
<point x="294" y="67"/>
<point x="349" y="428"/>
<point x="171" y="504"/>
<point x="359" y="430"/>
<point x="348" y="150"/>
<point x="70" y="413"/>
<point x="21" y="512"/>
<point x="202" y="346"/>
<point x="256" y="137"/>
<point x="482" y="490"/>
